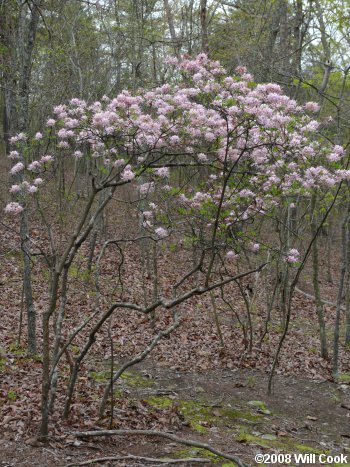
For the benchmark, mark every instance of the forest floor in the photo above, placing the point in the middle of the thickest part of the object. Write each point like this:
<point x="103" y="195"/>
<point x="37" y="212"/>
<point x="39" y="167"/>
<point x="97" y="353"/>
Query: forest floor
<point x="190" y="385"/>
<point x="227" y="409"/>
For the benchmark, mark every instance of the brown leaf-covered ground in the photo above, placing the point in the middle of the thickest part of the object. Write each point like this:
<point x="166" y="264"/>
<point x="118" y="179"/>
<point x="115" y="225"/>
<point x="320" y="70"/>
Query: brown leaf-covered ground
<point x="190" y="384"/>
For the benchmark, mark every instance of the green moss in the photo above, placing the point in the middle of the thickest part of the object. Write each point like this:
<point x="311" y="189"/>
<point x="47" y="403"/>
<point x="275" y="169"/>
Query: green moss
<point x="132" y="379"/>
<point x="250" y="381"/>
<point x="14" y="254"/>
<point x="11" y="396"/>
<point x="200" y="415"/>
<point x="77" y="273"/>
<point x="99" y="376"/>
<point x="261" y="406"/>
<point x="287" y="444"/>
<point x="129" y="378"/>
<point x="46" y="274"/>
<point x="161" y="402"/>
<point x="17" y="350"/>
<point x="344" y="378"/>
<point x="74" y="349"/>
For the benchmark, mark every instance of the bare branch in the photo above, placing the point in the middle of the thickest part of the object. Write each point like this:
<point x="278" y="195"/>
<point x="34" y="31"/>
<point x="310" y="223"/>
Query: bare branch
<point x="187" y="442"/>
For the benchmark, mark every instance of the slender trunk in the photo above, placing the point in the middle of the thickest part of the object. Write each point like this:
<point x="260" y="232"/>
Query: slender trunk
<point x="27" y="283"/>
<point x="58" y="337"/>
<point x="315" y="281"/>
<point x="44" y="427"/>
<point x="26" y="42"/>
<point x="204" y="27"/>
<point x="173" y="35"/>
<point x="344" y="266"/>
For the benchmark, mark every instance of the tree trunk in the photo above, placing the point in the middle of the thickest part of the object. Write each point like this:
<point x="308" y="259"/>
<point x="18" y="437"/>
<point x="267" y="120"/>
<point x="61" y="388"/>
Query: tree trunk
<point x="204" y="27"/>
<point x="315" y="281"/>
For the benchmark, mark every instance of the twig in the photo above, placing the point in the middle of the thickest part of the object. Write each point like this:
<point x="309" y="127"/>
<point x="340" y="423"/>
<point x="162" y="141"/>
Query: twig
<point x="188" y="442"/>
<point x="312" y="297"/>
<point x="143" y="459"/>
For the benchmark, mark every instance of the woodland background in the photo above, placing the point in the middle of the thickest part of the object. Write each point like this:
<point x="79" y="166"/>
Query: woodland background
<point x="53" y="51"/>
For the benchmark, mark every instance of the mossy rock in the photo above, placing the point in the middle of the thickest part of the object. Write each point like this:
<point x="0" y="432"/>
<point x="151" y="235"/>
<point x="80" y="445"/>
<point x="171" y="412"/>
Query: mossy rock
<point x="261" y="406"/>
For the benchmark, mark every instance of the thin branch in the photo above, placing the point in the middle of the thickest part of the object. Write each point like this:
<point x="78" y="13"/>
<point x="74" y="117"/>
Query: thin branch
<point x="142" y="459"/>
<point x="187" y="442"/>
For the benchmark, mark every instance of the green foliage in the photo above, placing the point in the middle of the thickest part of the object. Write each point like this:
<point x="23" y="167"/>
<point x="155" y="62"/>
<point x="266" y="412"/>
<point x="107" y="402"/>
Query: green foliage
<point x="11" y="396"/>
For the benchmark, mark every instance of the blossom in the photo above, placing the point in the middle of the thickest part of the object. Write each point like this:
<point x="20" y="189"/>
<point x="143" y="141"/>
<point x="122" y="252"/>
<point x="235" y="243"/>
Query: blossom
<point x="14" y="155"/>
<point x="38" y="181"/>
<point x="293" y="256"/>
<point x="162" y="172"/>
<point x="34" y="166"/>
<point x="146" y="188"/>
<point x="50" y="122"/>
<point x="202" y="157"/>
<point x="119" y="162"/>
<point x="17" y="168"/>
<point x="21" y="137"/>
<point x="312" y="107"/>
<point x="15" y="189"/>
<point x="240" y="69"/>
<point x="38" y="136"/>
<point x="127" y="174"/>
<point x="14" y="208"/>
<point x="46" y="158"/>
<point x="161" y="232"/>
<point x="231" y="255"/>
<point x="255" y="247"/>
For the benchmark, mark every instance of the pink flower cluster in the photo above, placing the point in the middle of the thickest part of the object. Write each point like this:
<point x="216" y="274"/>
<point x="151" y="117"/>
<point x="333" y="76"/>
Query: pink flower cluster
<point x="293" y="256"/>
<point x="260" y="145"/>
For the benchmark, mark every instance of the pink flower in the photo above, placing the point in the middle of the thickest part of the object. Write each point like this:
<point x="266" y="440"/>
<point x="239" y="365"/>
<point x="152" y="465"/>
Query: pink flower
<point x="119" y="162"/>
<point x="240" y="69"/>
<point x="38" y="136"/>
<point x="146" y="188"/>
<point x="46" y="158"/>
<point x="202" y="157"/>
<point x="127" y="174"/>
<point x="50" y="122"/>
<point x="162" y="172"/>
<point x="14" y="155"/>
<point x="15" y="189"/>
<point x="161" y="232"/>
<point x="34" y="166"/>
<point x="293" y="256"/>
<point x="38" y="181"/>
<point x="17" y="168"/>
<point x="14" y="208"/>
<point x="312" y="107"/>
<point x="21" y="137"/>
<point x="231" y="255"/>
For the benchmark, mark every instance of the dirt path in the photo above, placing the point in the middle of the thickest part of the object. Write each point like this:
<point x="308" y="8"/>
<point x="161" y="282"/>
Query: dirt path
<point x="228" y="409"/>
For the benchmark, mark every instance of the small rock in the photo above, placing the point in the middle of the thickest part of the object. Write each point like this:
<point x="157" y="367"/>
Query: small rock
<point x="270" y="437"/>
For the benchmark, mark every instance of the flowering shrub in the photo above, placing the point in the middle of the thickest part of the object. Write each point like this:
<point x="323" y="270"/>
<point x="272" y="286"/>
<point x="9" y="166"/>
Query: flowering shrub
<point x="259" y="145"/>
